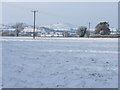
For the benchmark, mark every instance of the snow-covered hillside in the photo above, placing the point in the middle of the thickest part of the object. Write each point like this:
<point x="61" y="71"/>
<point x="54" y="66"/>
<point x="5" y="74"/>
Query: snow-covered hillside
<point x="61" y="26"/>
<point x="60" y="63"/>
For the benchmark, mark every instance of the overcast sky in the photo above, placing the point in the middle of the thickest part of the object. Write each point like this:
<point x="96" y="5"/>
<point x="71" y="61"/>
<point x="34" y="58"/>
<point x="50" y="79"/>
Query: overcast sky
<point x="76" y="14"/>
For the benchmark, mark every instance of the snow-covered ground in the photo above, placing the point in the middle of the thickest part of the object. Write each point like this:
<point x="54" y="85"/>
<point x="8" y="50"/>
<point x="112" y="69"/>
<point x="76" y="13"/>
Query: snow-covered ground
<point x="60" y="63"/>
<point x="0" y="64"/>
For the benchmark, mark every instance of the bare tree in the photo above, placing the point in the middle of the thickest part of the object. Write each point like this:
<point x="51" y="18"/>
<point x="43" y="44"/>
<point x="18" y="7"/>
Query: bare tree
<point x="19" y="27"/>
<point x="81" y="31"/>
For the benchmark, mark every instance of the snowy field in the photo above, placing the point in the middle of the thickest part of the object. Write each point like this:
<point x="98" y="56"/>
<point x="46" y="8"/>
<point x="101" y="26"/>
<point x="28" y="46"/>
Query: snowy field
<point x="60" y="63"/>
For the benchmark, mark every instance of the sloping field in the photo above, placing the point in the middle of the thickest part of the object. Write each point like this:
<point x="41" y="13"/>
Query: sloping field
<point x="60" y="62"/>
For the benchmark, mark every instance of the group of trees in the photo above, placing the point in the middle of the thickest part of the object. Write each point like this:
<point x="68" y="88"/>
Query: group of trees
<point x="18" y="28"/>
<point x="102" y="29"/>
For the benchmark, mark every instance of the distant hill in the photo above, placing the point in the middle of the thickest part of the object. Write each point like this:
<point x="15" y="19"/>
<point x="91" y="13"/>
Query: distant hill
<point x="60" y="27"/>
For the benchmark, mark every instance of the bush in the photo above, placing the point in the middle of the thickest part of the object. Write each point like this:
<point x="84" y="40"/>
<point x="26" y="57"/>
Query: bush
<point x="81" y="31"/>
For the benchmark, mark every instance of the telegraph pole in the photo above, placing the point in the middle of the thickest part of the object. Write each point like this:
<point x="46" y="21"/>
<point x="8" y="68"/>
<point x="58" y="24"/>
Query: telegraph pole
<point x="34" y="13"/>
<point x="89" y="28"/>
<point x="89" y="25"/>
